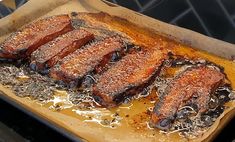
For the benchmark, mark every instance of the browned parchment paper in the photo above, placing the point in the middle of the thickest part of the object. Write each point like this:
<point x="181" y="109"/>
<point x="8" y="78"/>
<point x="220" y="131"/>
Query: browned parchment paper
<point x="35" y="9"/>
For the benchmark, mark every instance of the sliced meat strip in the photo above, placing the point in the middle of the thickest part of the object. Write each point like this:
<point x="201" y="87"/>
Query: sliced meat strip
<point x="196" y="83"/>
<point x="128" y="77"/>
<point x="76" y="65"/>
<point x="26" y="40"/>
<point x="50" y="53"/>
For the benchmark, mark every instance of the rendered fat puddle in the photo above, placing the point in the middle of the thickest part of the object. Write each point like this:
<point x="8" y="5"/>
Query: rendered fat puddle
<point x="107" y="118"/>
<point x="60" y="100"/>
<point x="101" y="116"/>
<point x="38" y="87"/>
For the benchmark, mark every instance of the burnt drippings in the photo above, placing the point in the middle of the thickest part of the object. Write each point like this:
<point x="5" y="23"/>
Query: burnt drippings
<point x="188" y="120"/>
<point x="82" y="98"/>
<point x="88" y="81"/>
<point x="26" y="83"/>
<point x="179" y="61"/>
<point x="85" y="64"/>
<point x="100" y="31"/>
<point x="77" y="23"/>
<point x="74" y="14"/>
<point x="38" y="86"/>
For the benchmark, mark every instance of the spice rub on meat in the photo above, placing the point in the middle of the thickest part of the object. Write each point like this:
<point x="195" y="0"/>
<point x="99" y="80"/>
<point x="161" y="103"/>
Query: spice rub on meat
<point x="194" y="86"/>
<point x="50" y="53"/>
<point x="26" y="40"/>
<point x="128" y="77"/>
<point x="78" y="64"/>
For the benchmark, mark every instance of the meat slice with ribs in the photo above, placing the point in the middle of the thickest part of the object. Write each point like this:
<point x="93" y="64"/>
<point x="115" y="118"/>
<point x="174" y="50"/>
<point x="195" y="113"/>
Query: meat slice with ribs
<point x="195" y="85"/>
<point x="128" y="77"/>
<point x="50" y="53"/>
<point x="78" y="64"/>
<point x="26" y="40"/>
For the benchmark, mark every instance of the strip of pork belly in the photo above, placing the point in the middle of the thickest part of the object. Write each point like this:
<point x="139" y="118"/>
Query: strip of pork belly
<point x="50" y="53"/>
<point x="78" y="64"/>
<point x="128" y="77"/>
<point x="196" y="84"/>
<point x="26" y="40"/>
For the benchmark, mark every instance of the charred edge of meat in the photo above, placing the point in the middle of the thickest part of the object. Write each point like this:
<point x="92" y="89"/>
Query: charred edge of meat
<point x="129" y="92"/>
<point x="99" y="69"/>
<point x="104" y="65"/>
<point x="74" y="14"/>
<point x="77" y="23"/>
<point x="25" y="51"/>
<point x="222" y="93"/>
<point x="137" y="89"/>
<point x="165" y="123"/>
<point x="179" y="61"/>
<point x="193" y="66"/>
<point x="43" y="67"/>
<point x="88" y="80"/>
<point x="216" y="107"/>
<point x="113" y="57"/>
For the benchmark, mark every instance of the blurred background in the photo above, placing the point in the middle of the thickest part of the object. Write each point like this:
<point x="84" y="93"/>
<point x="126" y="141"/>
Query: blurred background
<point x="214" y="18"/>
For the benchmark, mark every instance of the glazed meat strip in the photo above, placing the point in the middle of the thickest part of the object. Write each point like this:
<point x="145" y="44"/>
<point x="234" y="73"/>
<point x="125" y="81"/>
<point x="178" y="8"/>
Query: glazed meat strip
<point x="128" y="77"/>
<point x="26" y="40"/>
<point x="76" y="65"/>
<point x="196" y="84"/>
<point x="50" y="53"/>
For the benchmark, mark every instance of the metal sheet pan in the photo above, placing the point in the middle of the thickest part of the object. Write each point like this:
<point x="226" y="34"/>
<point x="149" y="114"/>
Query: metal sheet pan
<point x="67" y="125"/>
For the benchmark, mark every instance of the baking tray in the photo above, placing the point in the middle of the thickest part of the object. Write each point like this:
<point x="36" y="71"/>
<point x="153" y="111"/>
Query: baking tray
<point x="69" y="126"/>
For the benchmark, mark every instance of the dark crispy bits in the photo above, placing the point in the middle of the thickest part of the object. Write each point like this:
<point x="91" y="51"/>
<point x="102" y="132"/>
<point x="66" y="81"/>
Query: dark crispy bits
<point x="194" y="86"/>
<point x="50" y="53"/>
<point x="76" y="65"/>
<point x="128" y="77"/>
<point x="26" y="40"/>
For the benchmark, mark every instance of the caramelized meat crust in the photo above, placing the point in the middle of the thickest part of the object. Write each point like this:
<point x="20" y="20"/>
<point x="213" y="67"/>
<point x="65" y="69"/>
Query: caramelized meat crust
<point x="26" y="40"/>
<point x="76" y="65"/>
<point x="128" y="76"/>
<point x="195" y="85"/>
<point x="50" y="53"/>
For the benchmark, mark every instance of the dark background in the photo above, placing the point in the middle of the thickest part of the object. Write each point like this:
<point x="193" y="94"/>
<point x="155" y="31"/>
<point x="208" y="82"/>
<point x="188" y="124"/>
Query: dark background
<point x="215" y="18"/>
